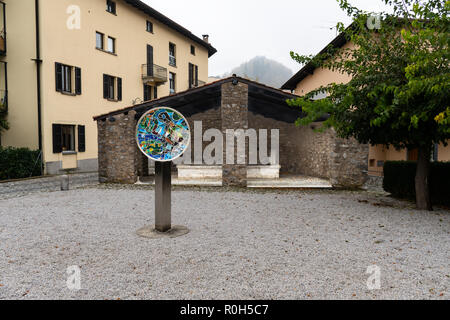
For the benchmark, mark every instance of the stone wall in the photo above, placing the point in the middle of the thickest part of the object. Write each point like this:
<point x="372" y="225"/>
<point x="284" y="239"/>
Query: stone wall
<point x="118" y="154"/>
<point x="211" y="119"/>
<point x="349" y="164"/>
<point x="303" y="150"/>
<point x="234" y="116"/>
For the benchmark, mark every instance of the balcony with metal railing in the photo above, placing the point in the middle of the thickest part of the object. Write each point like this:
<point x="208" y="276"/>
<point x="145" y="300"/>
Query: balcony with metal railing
<point x="153" y="74"/>
<point x="2" y="28"/>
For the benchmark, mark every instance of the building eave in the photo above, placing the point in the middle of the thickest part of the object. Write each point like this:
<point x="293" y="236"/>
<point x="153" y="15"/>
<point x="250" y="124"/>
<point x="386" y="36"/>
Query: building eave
<point x="171" y="24"/>
<point x="309" y="68"/>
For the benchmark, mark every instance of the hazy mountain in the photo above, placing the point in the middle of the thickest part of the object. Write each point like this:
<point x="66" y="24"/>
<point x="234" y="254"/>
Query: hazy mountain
<point x="263" y="70"/>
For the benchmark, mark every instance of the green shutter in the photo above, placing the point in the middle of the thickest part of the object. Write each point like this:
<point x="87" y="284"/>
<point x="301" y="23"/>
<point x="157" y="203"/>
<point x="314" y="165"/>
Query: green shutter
<point x="81" y="139"/>
<point x="105" y="86"/>
<point x="58" y="76"/>
<point x="119" y="89"/>
<point x="77" y="80"/>
<point x="57" y="138"/>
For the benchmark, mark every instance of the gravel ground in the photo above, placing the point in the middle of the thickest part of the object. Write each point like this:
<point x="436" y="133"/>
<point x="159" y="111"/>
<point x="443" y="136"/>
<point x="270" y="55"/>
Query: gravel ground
<point x="242" y="245"/>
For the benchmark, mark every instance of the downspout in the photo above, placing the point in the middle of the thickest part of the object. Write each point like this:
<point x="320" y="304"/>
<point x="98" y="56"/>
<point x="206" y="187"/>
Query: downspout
<point x="38" y="78"/>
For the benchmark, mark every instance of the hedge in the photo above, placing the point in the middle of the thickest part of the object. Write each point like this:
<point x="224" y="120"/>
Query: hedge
<point x="18" y="163"/>
<point x="399" y="180"/>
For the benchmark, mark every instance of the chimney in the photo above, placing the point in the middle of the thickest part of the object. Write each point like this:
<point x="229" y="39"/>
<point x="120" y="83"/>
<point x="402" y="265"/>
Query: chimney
<point x="206" y="38"/>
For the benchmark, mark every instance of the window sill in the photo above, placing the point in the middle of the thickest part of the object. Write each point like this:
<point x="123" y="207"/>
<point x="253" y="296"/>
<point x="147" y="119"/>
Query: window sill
<point x="69" y="153"/>
<point x="105" y="51"/>
<point x="113" y="13"/>
<point x="68" y="93"/>
<point x="112" y="100"/>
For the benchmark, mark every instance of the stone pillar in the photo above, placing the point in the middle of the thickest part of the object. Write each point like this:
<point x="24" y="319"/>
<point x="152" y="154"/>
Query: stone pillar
<point x="348" y="164"/>
<point x="234" y="109"/>
<point x="118" y="156"/>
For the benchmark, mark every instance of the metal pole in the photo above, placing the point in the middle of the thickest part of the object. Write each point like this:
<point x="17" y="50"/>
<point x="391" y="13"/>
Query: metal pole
<point x="163" y="191"/>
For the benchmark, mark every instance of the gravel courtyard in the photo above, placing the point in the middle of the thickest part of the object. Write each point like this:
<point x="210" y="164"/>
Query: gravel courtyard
<point x="242" y="245"/>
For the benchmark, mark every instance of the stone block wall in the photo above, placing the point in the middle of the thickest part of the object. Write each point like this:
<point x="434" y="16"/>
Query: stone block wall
<point x="302" y="150"/>
<point x="305" y="151"/>
<point x="211" y="119"/>
<point x="349" y="163"/>
<point x="234" y="110"/>
<point x="118" y="154"/>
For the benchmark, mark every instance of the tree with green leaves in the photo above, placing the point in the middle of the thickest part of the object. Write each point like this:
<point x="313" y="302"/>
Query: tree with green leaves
<point x="398" y="94"/>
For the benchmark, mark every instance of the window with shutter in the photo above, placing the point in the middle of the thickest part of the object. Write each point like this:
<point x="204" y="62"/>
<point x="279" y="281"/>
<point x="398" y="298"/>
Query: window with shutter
<point x="119" y="89"/>
<point x="58" y="76"/>
<point x="191" y="75"/>
<point x="77" y="81"/>
<point x="196" y="76"/>
<point x="105" y="87"/>
<point x="147" y="92"/>
<point x="81" y="139"/>
<point x="57" y="138"/>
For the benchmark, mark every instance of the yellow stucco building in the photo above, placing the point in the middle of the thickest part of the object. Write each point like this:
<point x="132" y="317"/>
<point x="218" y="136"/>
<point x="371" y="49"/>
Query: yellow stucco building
<point x="310" y="78"/>
<point x="64" y="61"/>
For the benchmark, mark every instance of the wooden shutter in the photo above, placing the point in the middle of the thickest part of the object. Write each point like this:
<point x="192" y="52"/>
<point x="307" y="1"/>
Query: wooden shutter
<point x="77" y="80"/>
<point x="105" y="87"/>
<point x="149" y="60"/>
<point x="191" y="75"/>
<point x="57" y="138"/>
<point x="146" y="97"/>
<point x="119" y="89"/>
<point x="81" y="138"/>
<point x="58" y="76"/>
<point x="155" y="92"/>
<point x="196" y="76"/>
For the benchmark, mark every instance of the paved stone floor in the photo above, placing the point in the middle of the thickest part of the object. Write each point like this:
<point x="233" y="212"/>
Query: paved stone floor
<point x="252" y="244"/>
<point x="284" y="182"/>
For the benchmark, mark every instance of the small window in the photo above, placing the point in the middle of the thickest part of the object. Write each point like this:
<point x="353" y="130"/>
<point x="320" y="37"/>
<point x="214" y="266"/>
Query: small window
<point x="193" y="76"/>
<point x="112" y="88"/>
<point x="99" y="40"/>
<point x="149" y="26"/>
<point x="147" y="92"/>
<point x="68" y="79"/>
<point x="111" y="45"/>
<point x="111" y="6"/>
<point x="172" y="79"/>
<point x="68" y="138"/>
<point x="64" y="138"/>
<point x="193" y="50"/>
<point x="172" y="57"/>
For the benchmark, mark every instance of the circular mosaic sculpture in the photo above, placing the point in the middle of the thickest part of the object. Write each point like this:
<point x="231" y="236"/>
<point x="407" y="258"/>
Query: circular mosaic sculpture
<point x="163" y="134"/>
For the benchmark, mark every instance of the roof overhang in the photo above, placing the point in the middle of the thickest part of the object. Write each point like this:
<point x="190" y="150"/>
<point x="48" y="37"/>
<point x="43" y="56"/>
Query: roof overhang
<point x="264" y="100"/>
<point x="171" y="24"/>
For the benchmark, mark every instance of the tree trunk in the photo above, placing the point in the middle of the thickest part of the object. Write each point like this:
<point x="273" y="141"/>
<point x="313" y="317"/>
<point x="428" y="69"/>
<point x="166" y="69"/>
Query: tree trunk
<point x="423" y="198"/>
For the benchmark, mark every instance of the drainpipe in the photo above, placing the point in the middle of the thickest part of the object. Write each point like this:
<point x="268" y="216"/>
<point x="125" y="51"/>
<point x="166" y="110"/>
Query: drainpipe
<point x="38" y="73"/>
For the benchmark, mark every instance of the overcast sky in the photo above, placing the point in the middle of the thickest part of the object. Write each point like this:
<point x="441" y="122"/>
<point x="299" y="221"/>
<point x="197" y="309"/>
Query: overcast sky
<point x="243" y="29"/>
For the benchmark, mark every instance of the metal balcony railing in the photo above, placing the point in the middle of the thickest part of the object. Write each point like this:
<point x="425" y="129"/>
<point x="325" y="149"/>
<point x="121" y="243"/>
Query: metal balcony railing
<point x="153" y="74"/>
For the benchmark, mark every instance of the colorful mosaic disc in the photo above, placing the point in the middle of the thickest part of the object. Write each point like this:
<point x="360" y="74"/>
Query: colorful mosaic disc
<point x="163" y="134"/>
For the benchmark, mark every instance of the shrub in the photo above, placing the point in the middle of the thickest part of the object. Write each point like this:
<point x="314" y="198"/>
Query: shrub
<point x="399" y="180"/>
<point x="18" y="163"/>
